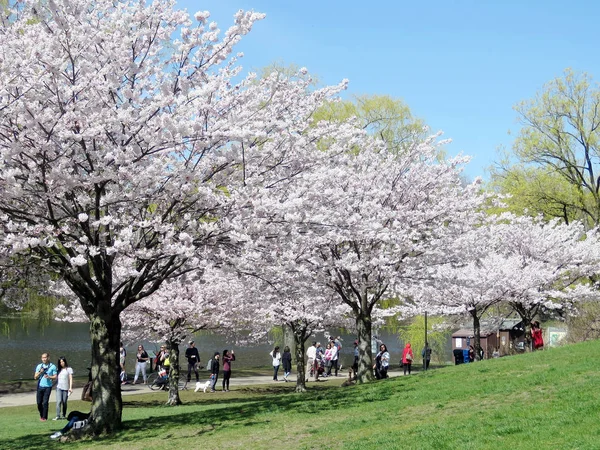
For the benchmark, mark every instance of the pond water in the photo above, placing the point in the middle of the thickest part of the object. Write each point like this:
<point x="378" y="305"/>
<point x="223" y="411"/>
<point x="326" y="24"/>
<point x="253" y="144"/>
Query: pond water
<point x="25" y="341"/>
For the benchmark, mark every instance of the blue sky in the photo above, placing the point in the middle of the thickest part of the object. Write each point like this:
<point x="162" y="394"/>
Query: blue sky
<point x="459" y="65"/>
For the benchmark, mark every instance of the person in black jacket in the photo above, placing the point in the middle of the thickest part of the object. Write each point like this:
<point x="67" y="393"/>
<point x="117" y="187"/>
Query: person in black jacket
<point x="286" y="360"/>
<point x="214" y="370"/>
<point x="426" y="354"/>
<point x="193" y="358"/>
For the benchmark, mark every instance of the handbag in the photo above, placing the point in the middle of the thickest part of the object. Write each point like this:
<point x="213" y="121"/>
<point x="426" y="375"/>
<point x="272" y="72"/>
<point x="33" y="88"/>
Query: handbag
<point x="86" y="393"/>
<point x="409" y="357"/>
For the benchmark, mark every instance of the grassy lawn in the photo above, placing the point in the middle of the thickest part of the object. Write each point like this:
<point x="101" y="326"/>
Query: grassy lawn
<point x="547" y="399"/>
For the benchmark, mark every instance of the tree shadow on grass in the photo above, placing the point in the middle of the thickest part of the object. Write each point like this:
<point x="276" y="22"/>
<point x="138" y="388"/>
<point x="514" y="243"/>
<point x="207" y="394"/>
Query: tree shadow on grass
<point x="221" y="412"/>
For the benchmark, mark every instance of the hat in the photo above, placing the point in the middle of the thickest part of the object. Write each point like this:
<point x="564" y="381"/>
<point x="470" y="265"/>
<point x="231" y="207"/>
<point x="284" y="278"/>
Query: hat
<point x="190" y="343"/>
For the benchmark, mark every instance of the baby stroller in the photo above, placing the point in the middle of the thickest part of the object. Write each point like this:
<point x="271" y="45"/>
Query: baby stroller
<point x="319" y="366"/>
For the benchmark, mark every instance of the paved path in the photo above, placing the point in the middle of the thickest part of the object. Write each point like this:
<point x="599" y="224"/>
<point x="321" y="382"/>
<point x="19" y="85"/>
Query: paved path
<point x="29" y="398"/>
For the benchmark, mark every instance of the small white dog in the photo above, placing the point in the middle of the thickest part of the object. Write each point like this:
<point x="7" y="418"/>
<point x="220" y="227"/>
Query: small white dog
<point x="200" y="385"/>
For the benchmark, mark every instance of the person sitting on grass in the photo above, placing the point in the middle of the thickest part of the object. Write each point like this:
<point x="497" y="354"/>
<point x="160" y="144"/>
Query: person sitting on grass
<point x="77" y="419"/>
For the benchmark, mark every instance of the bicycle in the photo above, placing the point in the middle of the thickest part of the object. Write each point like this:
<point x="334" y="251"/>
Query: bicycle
<point x="160" y="380"/>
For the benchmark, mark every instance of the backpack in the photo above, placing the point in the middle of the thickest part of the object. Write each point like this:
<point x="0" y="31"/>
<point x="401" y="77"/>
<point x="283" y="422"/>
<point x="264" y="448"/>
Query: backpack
<point x="209" y="364"/>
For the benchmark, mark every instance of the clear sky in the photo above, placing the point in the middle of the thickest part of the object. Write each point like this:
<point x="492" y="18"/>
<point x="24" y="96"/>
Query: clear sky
<point x="459" y="65"/>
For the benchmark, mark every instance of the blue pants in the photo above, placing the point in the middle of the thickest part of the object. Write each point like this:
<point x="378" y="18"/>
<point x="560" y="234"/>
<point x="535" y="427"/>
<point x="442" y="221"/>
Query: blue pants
<point x="43" y="396"/>
<point x="61" y="401"/>
<point x="75" y="417"/>
<point x="275" y="370"/>
<point x="215" y="377"/>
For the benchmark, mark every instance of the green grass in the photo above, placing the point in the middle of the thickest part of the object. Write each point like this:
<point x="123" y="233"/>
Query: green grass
<point x="548" y="399"/>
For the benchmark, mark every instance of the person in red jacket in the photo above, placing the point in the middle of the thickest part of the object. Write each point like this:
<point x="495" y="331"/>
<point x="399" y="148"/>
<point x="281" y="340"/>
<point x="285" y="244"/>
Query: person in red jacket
<point x="536" y="336"/>
<point x="407" y="358"/>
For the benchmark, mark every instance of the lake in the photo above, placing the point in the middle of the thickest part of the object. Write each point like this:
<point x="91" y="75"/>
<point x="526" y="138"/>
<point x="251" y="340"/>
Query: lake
<point x="25" y="341"/>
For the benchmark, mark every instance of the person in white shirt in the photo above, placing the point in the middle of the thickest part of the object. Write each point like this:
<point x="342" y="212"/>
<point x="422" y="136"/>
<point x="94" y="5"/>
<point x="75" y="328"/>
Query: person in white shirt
<point x="276" y="362"/>
<point x="311" y="354"/>
<point x="64" y="387"/>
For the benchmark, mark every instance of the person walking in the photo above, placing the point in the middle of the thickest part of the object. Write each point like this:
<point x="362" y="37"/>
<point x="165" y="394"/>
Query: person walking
<point x="193" y="359"/>
<point x="64" y="387"/>
<point x="45" y="373"/>
<point x="122" y="352"/>
<point x="311" y="355"/>
<point x="355" y="362"/>
<point x="122" y="355"/>
<point x="426" y="354"/>
<point x="286" y="360"/>
<point x="140" y="365"/>
<point x="227" y="359"/>
<point x="276" y="362"/>
<point x="214" y="370"/>
<point x="407" y="358"/>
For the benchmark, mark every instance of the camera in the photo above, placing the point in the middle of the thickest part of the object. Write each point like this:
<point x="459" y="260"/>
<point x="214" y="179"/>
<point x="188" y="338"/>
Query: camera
<point x="43" y="369"/>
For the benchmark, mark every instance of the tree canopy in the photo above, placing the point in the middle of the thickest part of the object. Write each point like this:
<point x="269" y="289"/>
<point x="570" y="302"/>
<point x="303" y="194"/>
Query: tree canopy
<point x="558" y="159"/>
<point x="382" y="116"/>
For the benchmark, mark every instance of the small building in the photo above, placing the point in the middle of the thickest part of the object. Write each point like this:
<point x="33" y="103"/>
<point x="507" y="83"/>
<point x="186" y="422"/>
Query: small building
<point x="511" y="337"/>
<point x="463" y="338"/>
<point x="506" y="336"/>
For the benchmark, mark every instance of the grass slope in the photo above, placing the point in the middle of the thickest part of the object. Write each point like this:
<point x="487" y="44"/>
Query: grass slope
<point x="546" y="399"/>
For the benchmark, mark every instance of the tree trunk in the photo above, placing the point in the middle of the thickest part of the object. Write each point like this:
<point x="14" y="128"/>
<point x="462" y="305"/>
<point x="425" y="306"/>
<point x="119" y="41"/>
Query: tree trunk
<point x="365" y="356"/>
<point x="174" y="374"/>
<point x="107" y="404"/>
<point x="299" y="341"/>
<point x="526" y="315"/>
<point x="289" y="338"/>
<point x="476" y="334"/>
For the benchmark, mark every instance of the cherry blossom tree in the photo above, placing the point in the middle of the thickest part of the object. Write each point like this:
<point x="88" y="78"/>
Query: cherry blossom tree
<point x="281" y="289"/>
<point x="561" y="260"/>
<point x="398" y="214"/>
<point x="471" y="287"/>
<point x="180" y="308"/>
<point x="121" y="131"/>
<point x="369" y="220"/>
<point x="522" y="261"/>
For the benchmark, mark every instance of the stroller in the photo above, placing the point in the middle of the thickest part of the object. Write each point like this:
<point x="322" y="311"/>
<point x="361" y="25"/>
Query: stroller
<point x="319" y="366"/>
